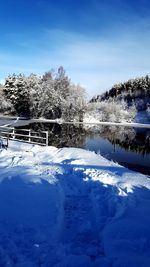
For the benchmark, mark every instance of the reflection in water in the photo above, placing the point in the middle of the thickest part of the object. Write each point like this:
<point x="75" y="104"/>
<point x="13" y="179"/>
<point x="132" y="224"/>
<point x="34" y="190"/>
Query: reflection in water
<point x="128" y="146"/>
<point x="62" y="135"/>
<point x="130" y="139"/>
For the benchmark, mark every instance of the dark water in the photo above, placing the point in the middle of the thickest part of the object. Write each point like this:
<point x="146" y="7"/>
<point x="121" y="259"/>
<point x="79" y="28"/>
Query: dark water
<point x="129" y="147"/>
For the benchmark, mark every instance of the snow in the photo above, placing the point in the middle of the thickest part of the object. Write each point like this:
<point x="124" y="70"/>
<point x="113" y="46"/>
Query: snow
<point x="91" y="121"/>
<point x="71" y="208"/>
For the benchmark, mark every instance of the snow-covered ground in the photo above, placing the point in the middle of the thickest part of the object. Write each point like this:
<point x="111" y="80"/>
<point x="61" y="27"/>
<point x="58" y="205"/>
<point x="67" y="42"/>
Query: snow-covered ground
<point x="71" y="208"/>
<point x="90" y="120"/>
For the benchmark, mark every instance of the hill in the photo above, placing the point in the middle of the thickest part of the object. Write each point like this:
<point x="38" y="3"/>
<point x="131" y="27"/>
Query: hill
<point x="134" y="91"/>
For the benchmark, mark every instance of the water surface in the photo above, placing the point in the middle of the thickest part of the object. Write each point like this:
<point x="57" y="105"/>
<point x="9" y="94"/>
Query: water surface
<point x="129" y="147"/>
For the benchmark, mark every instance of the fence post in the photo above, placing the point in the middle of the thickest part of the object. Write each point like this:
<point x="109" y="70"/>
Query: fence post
<point x="13" y="133"/>
<point x="7" y="141"/>
<point x="46" y="138"/>
<point x="29" y="136"/>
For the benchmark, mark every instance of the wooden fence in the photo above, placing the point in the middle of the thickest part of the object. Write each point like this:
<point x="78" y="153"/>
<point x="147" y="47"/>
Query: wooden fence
<point x="24" y="135"/>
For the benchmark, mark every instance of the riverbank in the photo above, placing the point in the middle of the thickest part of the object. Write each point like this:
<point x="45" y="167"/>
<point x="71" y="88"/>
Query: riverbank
<point x="23" y="121"/>
<point x="70" y="207"/>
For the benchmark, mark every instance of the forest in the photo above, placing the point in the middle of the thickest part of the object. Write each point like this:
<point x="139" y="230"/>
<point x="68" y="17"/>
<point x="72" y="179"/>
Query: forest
<point x="49" y="96"/>
<point x="133" y="92"/>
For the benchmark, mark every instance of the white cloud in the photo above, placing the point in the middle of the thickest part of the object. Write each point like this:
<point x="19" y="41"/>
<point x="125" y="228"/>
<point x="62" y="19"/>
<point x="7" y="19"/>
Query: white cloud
<point x="95" y="63"/>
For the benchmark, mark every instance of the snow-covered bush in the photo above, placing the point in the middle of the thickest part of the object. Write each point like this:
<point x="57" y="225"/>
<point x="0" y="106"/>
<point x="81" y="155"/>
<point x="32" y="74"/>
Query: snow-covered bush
<point x="110" y="111"/>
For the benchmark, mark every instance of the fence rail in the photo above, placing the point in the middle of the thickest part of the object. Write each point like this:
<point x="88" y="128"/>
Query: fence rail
<point x="24" y="135"/>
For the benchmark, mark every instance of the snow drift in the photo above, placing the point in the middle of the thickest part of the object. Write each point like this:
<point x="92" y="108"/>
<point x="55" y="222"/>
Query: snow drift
<point x="71" y="208"/>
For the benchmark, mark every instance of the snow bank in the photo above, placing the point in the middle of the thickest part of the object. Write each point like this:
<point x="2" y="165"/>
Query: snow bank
<point x="70" y="208"/>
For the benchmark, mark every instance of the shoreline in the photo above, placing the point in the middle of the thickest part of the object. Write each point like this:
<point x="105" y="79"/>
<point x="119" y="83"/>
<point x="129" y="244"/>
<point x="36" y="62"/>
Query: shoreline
<point x="59" y="121"/>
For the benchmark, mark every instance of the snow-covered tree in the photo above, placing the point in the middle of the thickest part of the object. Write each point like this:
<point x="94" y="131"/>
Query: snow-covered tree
<point x="51" y="96"/>
<point x="5" y="106"/>
<point x="50" y="101"/>
<point x="17" y="92"/>
<point x="62" y="83"/>
<point x="134" y="91"/>
<point x="60" y="98"/>
<point x="110" y="111"/>
<point x="35" y="93"/>
<point x="75" y="103"/>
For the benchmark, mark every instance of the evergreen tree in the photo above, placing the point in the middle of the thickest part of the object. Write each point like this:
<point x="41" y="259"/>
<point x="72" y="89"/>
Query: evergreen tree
<point x="17" y="91"/>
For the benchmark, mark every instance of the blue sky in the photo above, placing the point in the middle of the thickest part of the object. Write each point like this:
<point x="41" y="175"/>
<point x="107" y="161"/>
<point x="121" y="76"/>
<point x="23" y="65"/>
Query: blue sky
<point x="99" y="43"/>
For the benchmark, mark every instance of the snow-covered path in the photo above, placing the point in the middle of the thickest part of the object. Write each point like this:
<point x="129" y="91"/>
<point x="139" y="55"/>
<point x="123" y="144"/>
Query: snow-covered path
<point x="71" y="208"/>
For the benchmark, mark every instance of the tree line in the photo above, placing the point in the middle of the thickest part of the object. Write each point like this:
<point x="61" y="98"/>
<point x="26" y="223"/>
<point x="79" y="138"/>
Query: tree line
<point x="50" y="96"/>
<point x="134" y="91"/>
<point x="54" y="96"/>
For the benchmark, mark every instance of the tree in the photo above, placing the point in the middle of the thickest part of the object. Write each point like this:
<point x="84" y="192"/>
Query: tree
<point x="50" y="99"/>
<point x="110" y="111"/>
<point x="75" y="103"/>
<point x="62" y="83"/>
<point x="5" y="105"/>
<point x="17" y="92"/>
<point x="50" y="96"/>
<point x="35" y="92"/>
<point x="131" y="91"/>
